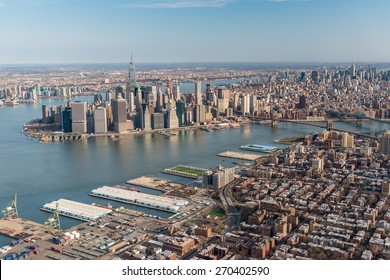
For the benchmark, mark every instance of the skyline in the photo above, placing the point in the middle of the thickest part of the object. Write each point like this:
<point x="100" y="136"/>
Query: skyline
<point x="47" y="32"/>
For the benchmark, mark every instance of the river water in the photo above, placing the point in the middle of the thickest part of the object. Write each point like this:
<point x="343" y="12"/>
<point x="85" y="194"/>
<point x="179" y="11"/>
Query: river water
<point x="43" y="172"/>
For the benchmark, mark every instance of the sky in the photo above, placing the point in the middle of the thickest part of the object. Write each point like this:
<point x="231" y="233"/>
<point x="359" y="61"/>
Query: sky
<point x="108" y="31"/>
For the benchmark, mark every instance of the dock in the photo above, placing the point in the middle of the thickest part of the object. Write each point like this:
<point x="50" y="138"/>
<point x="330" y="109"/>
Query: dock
<point x="148" y="182"/>
<point x="18" y="228"/>
<point x="185" y="171"/>
<point x="140" y="199"/>
<point x="76" y="210"/>
<point x="238" y="155"/>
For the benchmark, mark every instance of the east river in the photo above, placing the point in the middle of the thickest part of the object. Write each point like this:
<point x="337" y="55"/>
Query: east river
<point x="43" y="172"/>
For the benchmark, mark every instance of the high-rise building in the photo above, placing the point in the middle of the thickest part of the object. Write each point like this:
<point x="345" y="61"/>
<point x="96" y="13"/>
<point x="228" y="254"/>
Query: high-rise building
<point x="157" y="120"/>
<point x="79" y="117"/>
<point x="199" y="114"/>
<point x="160" y="101"/>
<point x="45" y="114"/>
<point x="176" y="92"/>
<point x="353" y="70"/>
<point x="384" y="145"/>
<point x="347" y="141"/>
<point x="100" y="120"/>
<point x="198" y="93"/>
<point x="132" y="75"/>
<point x="67" y="120"/>
<point x="218" y="177"/>
<point x="245" y="108"/>
<point x="172" y="121"/>
<point x="147" y="119"/>
<point x="314" y="76"/>
<point x="119" y="115"/>
<point x="302" y="102"/>
<point x="180" y="112"/>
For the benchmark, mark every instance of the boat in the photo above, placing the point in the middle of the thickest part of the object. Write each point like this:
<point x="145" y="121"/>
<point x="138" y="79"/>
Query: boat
<point x="44" y="139"/>
<point x="10" y="102"/>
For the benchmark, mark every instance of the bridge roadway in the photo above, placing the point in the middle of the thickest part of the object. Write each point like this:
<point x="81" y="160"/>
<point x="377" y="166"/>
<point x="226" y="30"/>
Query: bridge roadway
<point x="315" y="125"/>
<point x="358" y="116"/>
<point x="233" y="214"/>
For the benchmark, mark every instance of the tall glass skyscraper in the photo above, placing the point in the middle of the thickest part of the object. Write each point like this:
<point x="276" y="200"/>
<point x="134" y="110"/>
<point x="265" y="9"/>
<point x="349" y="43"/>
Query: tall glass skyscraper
<point x="132" y="75"/>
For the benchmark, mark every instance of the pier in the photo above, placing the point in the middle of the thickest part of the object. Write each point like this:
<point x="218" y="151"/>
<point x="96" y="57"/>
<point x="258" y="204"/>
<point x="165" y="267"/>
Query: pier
<point x="238" y="155"/>
<point x="140" y="199"/>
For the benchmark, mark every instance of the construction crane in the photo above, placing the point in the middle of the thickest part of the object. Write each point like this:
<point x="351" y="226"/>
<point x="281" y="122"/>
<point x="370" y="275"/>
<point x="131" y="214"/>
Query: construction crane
<point x="11" y="210"/>
<point x="53" y="223"/>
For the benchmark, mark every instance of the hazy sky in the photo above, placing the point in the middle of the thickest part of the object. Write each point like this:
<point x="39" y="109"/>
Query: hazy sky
<point x="95" y="31"/>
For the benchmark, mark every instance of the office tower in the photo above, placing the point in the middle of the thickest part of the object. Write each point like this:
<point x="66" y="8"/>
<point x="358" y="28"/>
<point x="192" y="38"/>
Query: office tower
<point x="223" y="93"/>
<point x="132" y="75"/>
<point x="97" y="98"/>
<point x="54" y="115"/>
<point x="245" y="105"/>
<point x="138" y="99"/>
<point x="189" y="115"/>
<point x="79" y="117"/>
<point x="131" y="104"/>
<point x="157" y="120"/>
<point x="108" y="95"/>
<point x="160" y="101"/>
<point x="147" y="119"/>
<point x="169" y="86"/>
<point x="176" y="92"/>
<point x="347" y="141"/>
<point x="119" y="115"/>
<point x="45" y="114"/>
<point x="100" y="120"/>
<point x="67" y="120"/>
<point x="314" y="76"/>
<point x="172" y="121"/>
<point x="302" y="102"/>
<point x="353" y="71"/>
<point x="222" y="105"/>
<point x="252" y="103"/>
<point x="119" y="92"/>
<point x="198" y="93"/>
<point x="180" y="112"/>
<point x="199" y="114"/>
<point x="384" y="145"/>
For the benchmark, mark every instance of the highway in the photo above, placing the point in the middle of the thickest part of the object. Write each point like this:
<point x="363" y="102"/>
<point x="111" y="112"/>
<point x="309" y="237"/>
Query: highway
<point x="233" y="214"/>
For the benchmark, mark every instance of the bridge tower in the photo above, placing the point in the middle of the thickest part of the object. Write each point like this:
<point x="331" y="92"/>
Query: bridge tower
<point x="53" y="223"/>
<point x="11" y="210"/>
<point x="274" y="122"/>
<point x="329" y="125"/>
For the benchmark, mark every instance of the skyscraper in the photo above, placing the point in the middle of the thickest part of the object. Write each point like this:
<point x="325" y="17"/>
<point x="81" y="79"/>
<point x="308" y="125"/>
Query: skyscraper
<point x="79" y="117"/>
<point x="100" y="120"/>
<point x="132" y="75"/>
<point x="119" y="114"/>
<point x="384" y="145"/>
<point x="176" y="92"/>
<point x="198" y="93"/>
<point x="245" y="105"/>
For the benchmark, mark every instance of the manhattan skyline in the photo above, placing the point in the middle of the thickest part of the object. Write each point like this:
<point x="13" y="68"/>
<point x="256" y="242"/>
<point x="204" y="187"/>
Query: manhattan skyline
<point x="88" y="31"/>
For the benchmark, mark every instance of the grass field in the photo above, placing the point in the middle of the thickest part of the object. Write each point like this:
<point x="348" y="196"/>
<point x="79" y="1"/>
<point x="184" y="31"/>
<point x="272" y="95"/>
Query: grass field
<point x="217" y="212"/>
<point x="185" y="171"/>
<point x="196" y="172"/>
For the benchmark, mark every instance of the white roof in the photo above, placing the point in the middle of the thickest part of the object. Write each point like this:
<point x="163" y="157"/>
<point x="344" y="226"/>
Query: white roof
<point x="73" y="208"/>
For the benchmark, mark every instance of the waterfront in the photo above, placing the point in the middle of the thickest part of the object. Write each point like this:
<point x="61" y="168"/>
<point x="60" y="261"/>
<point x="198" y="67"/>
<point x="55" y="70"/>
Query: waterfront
<point x="41" y="173"/>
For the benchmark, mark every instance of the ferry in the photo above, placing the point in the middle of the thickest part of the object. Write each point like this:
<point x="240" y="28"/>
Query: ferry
<point x="9" y="102"/>
<point x="126" y="188"/>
